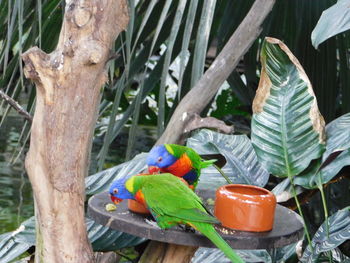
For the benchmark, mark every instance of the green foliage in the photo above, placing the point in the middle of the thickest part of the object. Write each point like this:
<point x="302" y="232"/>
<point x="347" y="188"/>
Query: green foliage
<point x="287" y="129"/>
<point x="17" y="242"/>
<point x="162" y="55"/>
<point x="333" y="21"/>
<point x="226" y="105"/>
<point x="241" y="166"/>
<point x="145" y="85"/>
<point x="336" y="156"/>
<point x="102" y="238"/>
<point x="287" y="134"/>
<point x="339" y="232"/>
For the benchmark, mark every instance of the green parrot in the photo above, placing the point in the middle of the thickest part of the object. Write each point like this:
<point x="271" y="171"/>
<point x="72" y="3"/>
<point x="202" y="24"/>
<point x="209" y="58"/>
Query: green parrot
<point x="171" y="202"/>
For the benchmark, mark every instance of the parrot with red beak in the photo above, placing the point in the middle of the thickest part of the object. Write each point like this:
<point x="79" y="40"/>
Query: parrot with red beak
<point x="171" y="202"/>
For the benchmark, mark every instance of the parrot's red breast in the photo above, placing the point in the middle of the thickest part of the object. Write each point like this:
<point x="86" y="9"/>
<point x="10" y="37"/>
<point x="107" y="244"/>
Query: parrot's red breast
<point x="181" y="167"/>
<point x="140" y="198"/>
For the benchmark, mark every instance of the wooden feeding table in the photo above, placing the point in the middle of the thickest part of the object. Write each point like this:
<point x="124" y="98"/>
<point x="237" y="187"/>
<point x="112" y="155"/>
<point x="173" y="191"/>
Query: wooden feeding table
<point x="287" y="229"/>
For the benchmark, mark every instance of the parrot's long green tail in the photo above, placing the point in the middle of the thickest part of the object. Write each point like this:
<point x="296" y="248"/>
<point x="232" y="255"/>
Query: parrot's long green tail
<point x="209" y="231"/>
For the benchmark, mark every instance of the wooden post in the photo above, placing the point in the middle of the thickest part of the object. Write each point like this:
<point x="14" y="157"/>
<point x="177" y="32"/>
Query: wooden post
<point x="68" y="83"/>
<point x="159" y="252"/>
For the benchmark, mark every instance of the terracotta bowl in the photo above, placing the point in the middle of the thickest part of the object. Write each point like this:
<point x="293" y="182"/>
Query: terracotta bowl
<point x="136" y="207"/>
<point x="245" y="207"/>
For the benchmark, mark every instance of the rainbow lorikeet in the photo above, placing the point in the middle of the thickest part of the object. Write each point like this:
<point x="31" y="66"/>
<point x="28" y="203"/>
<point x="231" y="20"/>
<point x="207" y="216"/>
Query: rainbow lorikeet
<point x="171" y="202"/>
<point x="178" y="160"/>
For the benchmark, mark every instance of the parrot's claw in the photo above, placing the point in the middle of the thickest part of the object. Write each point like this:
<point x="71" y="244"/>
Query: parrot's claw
<point x="187" y="228"/>
<point x="152" y="223"/>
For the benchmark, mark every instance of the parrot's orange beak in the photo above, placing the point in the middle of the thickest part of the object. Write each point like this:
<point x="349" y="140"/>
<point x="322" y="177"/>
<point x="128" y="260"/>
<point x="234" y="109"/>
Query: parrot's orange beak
<point x="153" y="169"/>
<point x="115" y="200"/>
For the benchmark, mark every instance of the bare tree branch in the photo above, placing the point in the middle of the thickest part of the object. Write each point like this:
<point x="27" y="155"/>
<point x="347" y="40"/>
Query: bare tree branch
<point x="14" y="104"/>
<point x="205" y="89"/>
<point x="195" y="122"/>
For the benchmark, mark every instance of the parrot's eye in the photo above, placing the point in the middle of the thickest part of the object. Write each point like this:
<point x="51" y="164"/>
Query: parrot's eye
<point x="115" y="191"/>
<point x="160" y="159"/>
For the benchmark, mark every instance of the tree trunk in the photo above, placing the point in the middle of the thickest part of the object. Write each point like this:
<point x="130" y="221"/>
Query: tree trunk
<point x="68" y="83"/>
<point x="206" y="88"/>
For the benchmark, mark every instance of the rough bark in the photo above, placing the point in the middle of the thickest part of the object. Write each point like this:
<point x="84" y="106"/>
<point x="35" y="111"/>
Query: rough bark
<point x="205" y="89"/>
<point x="68" y="83"/>
<point x="107" y="257"/>
<point x="157" y="252"/>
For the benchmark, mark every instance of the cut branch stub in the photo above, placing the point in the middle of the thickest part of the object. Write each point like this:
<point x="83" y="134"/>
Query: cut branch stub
<point x="39" y="68"/>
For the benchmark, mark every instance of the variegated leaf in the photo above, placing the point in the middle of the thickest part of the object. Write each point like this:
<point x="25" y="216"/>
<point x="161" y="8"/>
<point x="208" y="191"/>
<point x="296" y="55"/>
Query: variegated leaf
<point x="338" y="135"/>
<point x="333" y="21"/>
<point x="339" y="231"/>
<point x="287" y="127"/>
<point x="242" y="164"/>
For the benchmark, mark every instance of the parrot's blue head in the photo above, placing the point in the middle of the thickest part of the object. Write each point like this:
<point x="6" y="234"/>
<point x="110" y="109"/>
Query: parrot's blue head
<point x="160" y="157"/>
<point x="118" y="191"/>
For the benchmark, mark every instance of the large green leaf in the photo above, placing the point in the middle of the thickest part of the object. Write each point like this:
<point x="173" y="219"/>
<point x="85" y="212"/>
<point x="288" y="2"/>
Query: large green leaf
<point x="210" y="255"/>
<point x="170" y="46"/>
<point x="287" y="128"/>
<point x="336" y="156"/>
<point x="310" y="177"/>
<point x="200" y="50"/>
<point x="103" y="238"/>
<point x="339" y="231"/>
<point x="338" y="135"/>
<point x="333" y="21"/>
<point x="242" y="164"/>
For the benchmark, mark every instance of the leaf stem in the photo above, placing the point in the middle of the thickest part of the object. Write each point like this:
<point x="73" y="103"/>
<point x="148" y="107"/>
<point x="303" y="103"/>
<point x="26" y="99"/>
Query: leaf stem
<point x="223" y="174"/>
<point x="301" y="214"/>
<point x="325" y="209"/>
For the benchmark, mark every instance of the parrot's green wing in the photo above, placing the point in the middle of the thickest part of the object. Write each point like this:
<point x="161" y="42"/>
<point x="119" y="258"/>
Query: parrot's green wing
<point x="175" y="149"/>
<point x="172" y="202"/>
<point x="196" y="215"/>
<point x="167" y="195"/>
<point x="197" y="162"/>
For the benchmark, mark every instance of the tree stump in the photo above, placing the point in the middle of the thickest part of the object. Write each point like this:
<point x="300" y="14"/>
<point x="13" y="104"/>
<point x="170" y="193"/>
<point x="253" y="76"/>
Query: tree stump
<point x="167" y="253"/>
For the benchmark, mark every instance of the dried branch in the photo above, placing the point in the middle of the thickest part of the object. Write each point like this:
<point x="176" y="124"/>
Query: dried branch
<point x="206" y="88"/>
<point x="195" y="122"/>
<point x="14" y="104"/>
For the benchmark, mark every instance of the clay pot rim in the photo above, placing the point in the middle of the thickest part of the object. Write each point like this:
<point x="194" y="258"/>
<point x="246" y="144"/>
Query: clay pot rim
<point x="266" y="193"/>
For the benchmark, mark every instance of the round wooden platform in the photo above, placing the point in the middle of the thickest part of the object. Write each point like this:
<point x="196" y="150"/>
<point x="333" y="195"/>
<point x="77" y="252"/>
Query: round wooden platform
<point x="288" y="227"/>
